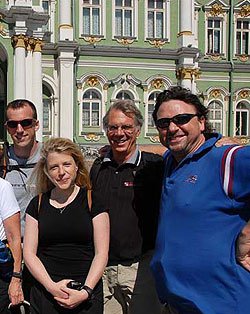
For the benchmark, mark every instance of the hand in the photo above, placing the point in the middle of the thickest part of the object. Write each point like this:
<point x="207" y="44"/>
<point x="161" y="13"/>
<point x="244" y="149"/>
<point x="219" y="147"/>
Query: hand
<point x="243" y="248"/>
<point x="75" y="298"/>
<point x="15" y="291"/>
<point x="56" y="288"/>
<point x="228" y="141"/>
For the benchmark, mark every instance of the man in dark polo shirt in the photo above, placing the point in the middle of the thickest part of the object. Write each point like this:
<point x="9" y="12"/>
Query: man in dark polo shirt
<point x="130" y="182"/>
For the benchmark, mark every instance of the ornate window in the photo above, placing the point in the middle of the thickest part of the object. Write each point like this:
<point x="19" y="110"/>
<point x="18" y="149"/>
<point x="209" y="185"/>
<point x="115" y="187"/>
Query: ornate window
<point x="215" y="116"/>
<point x="214" y="36"/>
<point x="242" y="37"/>
<point x="47" y="111"/>
<point x="242" y="119"/>
<point x="124" y="95"/>
<point x="46" y="10"/>
<point x="151" y="104"/>
<point x="91" y="17"/>
<point x="91" y="108"/>
<point x="157" y="19"/>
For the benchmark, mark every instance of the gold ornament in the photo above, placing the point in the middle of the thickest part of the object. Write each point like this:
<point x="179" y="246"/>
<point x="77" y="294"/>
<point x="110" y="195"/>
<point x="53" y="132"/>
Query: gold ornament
<point x="157" y="83"/>
<point x="92" y="39"/>
<point x="125" y="41"/>
<point x="216" y="10"/>
<point x="245" y="10"/>
<point x="215" y="93"/>
<point x="92" y="137"/>
<point x="155" y="139"/>
<point x="244" y="94"/>
<point x="92" y="81"/>
<point x="79" y="85"/>
<point x="157" y="43"/>
<point x="243" y="58"/>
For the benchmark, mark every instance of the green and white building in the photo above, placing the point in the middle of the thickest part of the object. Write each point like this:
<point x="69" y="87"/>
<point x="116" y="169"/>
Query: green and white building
<point x="73" y="58"/>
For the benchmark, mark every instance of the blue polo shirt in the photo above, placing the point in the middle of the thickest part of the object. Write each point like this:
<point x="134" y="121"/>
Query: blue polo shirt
<point x="194" y="264"/>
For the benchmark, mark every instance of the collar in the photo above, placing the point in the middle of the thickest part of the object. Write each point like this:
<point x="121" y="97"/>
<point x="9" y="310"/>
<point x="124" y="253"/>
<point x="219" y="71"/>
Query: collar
<point x="133" y="160"/>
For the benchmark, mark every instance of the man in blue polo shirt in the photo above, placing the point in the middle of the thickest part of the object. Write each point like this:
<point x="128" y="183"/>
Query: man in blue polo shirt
<point x="202" y="257"/>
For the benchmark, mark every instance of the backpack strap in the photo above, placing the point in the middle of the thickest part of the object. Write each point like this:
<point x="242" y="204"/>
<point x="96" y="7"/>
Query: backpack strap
<point x="39" y="202"/>
<point x="4" y="164"/>
<point x="227" y="169"/>
<point x="89" y="197"/>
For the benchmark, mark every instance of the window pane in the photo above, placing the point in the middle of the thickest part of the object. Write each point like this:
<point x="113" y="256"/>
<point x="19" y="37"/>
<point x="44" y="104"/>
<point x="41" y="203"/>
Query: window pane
<point x="85" y="105"/>
<point x="150" y="24"/>
<point x="245" y="24"/>
<point x="238" y="43"/>
<point x="85" y="114"/>
<point x="45" y="5"/>
<point x="128" y="3"/>
<point x="238" y="24"/>
<point x="86" y="95"/>
<point x="151" y="3"/>
<point x="118" y="3"/>
<point x="128" y="23"/>
<point x="216" y="41"/>
<point x="95" y="106"/>
<point x="96" y="2"/>
<point x="159" y="4"/>
<point x="237" y="123"/>
<point x="95" y="95"/>
<point x="96" y="21"/>
<point x="210" y="41"/>
<point x="85" y="1"/>
<point x="210" y="23"/>
<point x="86" y="21"/>
<point x="46" y="115"/>
<point x="118" y="22"/>
<point x="217" y="24"/>
<point x="244" y="123"/>
<point x="159" y="24"/>
<point x="245" y="43"/>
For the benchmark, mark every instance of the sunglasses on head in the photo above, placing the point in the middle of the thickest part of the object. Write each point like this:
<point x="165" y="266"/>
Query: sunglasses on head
<point x="179" y="119"/>
<point x="25" y="124"/>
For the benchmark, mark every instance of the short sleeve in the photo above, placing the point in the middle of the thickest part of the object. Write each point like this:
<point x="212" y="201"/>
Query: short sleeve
<point x="241" y="174"/>
<point x="8" y="202"/>
<point x="97" y="203"/>
<point x="32" y="208"/>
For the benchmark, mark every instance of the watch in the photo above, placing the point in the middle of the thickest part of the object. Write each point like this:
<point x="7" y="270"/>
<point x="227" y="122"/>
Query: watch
<point x="89" y="292"/>
<point x="17" y="274"/>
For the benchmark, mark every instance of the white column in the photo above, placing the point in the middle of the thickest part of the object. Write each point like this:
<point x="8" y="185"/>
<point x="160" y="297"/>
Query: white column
<point x="37" y="84"/>
<point x="29" y="70"/>
<point x="186" y="22"/>
<point x="186" y="83"/>
<point x="18" y="42"/>
<point x="66" y="83"/>
<point x="65" y="27"/>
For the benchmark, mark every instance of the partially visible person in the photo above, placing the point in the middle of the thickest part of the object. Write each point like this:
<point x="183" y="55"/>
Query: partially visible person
<point x="201" y="261"/>
<point x="130" y="181"/>
<point x="22" y="156"/>
<point x="10" y="281"/>
<point x="65" y="237"/>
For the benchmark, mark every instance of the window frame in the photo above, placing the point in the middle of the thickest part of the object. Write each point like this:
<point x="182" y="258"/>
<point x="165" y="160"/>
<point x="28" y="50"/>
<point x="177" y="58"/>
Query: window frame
<point x="134" y="16"/>
<point x="240" y="110"/>
<point x="242" y="20"/>
<point x="102" y="19"/>
<point x="90" y="126"/>
<point x="221" y="36"/>
<point x="166" y="21"/>
<point x="214" y="120"/>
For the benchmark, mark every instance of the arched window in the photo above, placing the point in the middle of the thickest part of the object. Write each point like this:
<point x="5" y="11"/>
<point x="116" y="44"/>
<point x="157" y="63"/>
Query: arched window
<point x="124" y="95"/>
<point x="91" y="107"/>
<point x="215" y="116"/>
<point x="47" y="111"/>
<point x="151" y="104"/>
<point x="242" y="119"/>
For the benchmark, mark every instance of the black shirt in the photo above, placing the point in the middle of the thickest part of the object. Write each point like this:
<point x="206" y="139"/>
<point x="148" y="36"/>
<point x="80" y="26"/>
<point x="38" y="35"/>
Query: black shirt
<point x="132" y="192"/>
<point x="65" y="244"/>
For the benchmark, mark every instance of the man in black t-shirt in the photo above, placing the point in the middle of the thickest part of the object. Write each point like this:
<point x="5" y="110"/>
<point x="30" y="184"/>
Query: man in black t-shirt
<point x="130" y="183"/>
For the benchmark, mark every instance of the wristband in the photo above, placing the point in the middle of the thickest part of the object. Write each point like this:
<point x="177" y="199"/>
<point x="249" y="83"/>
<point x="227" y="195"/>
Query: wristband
<point x="89" y="292"/>
<point x="18" y="275"/>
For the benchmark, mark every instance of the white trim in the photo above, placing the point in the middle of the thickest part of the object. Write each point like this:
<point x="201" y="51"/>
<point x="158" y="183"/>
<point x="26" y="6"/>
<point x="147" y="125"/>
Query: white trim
<point x="227" y="169"/>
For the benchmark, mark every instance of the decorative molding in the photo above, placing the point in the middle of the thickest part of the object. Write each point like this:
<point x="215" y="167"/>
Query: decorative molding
<point x="154" y="139"/>
<point x="105" y="86"/>
<point x="157" y="43"/>
<point x="245" y="10"/>
<point x="215" y="57"/>
<point x="145" y="88"/>
<point x="65" y="26"/>
<point x="92" y="137"/>
<point x="187" y="74"/>
<point x="243" y="58"/>
<point x="184" y="33"/>
<point x="92" y="81"/>
<point x="79" y="85"/>
<point x="215" y="93"/>
<point x="19" y="41"/>
<point x="244" y="94"/>
<point x="2" y="32"/>
<point x="92" y="39"/>
<point x="216" y="10"/>
<point x="157" y="83"/>
<point x="125" y="41"/>
<point x="226" y="98"/>
<point x="38" y="43"/>
<point x="244" y="140"/>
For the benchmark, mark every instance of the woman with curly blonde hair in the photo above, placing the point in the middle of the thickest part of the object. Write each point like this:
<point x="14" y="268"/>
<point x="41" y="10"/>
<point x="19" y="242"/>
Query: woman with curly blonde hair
<point x="66" y="242"/>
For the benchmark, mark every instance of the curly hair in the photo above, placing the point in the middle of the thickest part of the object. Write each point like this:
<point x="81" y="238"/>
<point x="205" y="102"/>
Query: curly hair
<point x="184" y="94"/>
<point x="65" y="146"/>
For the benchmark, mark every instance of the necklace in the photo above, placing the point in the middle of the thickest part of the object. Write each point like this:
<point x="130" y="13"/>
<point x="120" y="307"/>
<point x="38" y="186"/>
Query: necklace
<point x="61" y="210"/>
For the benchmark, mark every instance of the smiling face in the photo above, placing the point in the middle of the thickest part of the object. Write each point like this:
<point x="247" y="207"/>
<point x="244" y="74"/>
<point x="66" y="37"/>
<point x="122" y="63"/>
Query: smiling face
<point x="183" y="139"/>
<point x="62" y="170"/>
<point x="24" y="139"/>
<point x="122" y="133"/>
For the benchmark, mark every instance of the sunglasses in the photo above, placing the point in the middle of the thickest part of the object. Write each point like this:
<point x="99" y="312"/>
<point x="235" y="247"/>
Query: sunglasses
<point x="179" y="119"/>
<point x="25" y="124"/>
<point x="127" y="128"/>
